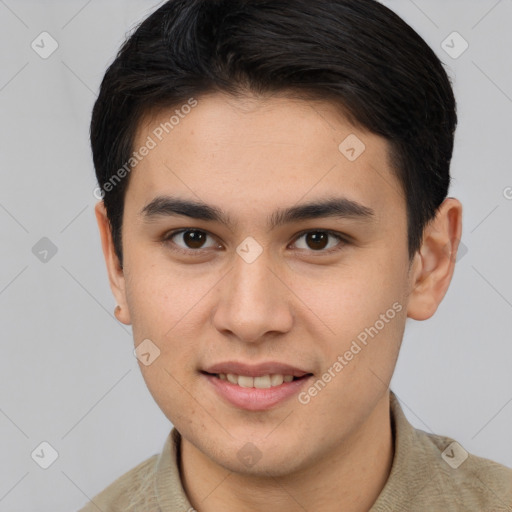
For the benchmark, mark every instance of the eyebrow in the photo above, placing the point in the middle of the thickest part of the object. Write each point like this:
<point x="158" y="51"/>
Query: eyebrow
<point x="337" y="207"/>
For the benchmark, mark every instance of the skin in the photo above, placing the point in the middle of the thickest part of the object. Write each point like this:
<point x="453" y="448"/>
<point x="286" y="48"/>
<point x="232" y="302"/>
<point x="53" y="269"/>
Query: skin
<point x="293" y="304"/>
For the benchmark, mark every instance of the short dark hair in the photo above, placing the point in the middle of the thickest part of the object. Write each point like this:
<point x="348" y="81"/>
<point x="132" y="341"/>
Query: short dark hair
<point x="357" y="54"/>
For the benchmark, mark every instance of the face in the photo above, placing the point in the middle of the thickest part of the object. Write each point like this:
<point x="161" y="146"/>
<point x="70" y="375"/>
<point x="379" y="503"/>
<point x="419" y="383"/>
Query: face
<point x="323" y="290"/>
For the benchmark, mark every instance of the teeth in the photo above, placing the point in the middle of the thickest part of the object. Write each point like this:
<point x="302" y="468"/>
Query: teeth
<point x="276" y="380"/>
<point x="232" y="378"/>
<point x="263" y="382"/>
<point x="245" y="382"/>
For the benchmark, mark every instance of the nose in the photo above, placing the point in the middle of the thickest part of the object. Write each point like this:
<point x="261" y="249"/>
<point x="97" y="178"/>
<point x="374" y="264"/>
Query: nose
<point x="254" y="302"/>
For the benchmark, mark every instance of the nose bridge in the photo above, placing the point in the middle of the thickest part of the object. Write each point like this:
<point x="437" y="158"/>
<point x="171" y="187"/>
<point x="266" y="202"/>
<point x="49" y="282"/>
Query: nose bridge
<point x="252" y="302"/>
<point x="250" y="282"/>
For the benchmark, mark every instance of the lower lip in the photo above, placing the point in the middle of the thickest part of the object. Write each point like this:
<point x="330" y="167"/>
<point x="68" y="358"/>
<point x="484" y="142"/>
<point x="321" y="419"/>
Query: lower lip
<point x="255" y="399"/>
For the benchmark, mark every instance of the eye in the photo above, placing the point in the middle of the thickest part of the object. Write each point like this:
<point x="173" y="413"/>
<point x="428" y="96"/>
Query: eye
<point x="193" y="240"/>
<point x="318" y="240"/>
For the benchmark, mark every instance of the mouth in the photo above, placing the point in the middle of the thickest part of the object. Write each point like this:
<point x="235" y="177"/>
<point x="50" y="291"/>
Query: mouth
<point x="260" y="382"/>
<point x="258" y="393"/>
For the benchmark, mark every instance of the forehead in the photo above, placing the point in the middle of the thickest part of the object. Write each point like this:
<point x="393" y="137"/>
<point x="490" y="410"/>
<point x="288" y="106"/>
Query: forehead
<point x="261" y="152"/>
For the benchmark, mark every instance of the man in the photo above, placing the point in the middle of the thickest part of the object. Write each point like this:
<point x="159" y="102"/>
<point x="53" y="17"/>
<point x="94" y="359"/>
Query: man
<point x="274" y="178"/>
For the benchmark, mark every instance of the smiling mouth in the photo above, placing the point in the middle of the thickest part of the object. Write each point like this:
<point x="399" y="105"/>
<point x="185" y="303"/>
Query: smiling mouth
<point x="261" y="382"/>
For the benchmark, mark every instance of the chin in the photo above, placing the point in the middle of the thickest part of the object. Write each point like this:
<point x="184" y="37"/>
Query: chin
<point x="276" y="466"/>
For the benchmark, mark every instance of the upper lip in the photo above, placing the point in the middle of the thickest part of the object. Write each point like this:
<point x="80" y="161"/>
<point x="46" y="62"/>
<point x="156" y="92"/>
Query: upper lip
<point x="255" y="370"/>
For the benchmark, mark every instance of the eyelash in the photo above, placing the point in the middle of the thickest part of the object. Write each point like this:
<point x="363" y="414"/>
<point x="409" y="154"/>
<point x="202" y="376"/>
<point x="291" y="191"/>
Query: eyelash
<point x="167" y="239"/>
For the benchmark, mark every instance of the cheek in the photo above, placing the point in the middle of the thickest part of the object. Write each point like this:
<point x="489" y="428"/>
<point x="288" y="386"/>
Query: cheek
<point x="169" y="389"/>
<point x="162" y="310"/>
<point x="169" y="309"/>
<point x="362" y="309"/>
<point x="352" y="296"/>
<point x="162" y="298"/>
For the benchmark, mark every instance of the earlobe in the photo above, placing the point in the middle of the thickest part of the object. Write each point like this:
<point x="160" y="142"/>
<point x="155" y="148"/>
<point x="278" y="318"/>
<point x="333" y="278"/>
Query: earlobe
<point x="114" y="270"/>
<point x="434" y="263"/>
<point x="122" y="315"/>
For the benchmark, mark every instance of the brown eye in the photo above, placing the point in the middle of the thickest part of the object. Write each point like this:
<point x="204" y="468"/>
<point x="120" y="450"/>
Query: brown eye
<point x="194" y="239"/>
<point x="319" y="241"/>
<point x="189" y="240"/>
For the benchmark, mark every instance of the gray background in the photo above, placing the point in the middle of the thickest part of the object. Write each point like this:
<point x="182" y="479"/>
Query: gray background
<point x="68" y="374"/>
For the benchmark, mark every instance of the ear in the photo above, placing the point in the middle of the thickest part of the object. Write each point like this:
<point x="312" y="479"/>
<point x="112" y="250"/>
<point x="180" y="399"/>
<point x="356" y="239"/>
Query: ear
<point x="115" y="272"/>
<point x="434" y="263"/>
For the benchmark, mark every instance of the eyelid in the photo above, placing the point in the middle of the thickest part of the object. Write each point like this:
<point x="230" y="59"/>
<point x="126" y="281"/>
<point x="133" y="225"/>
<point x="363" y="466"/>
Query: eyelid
<point x="171" y="234"/>
<point x="342" y="238"/>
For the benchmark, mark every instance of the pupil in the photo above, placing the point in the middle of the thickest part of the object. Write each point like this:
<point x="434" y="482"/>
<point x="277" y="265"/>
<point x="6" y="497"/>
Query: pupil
<point x="317" y="238"/>
<point x="194" y="239"/>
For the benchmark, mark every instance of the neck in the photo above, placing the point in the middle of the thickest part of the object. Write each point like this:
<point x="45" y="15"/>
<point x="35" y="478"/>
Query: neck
<point x="350" y="477"/>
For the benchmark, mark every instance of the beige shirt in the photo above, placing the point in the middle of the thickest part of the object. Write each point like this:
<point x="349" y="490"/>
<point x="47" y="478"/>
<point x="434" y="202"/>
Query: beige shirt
<point x="428" y="474"/>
